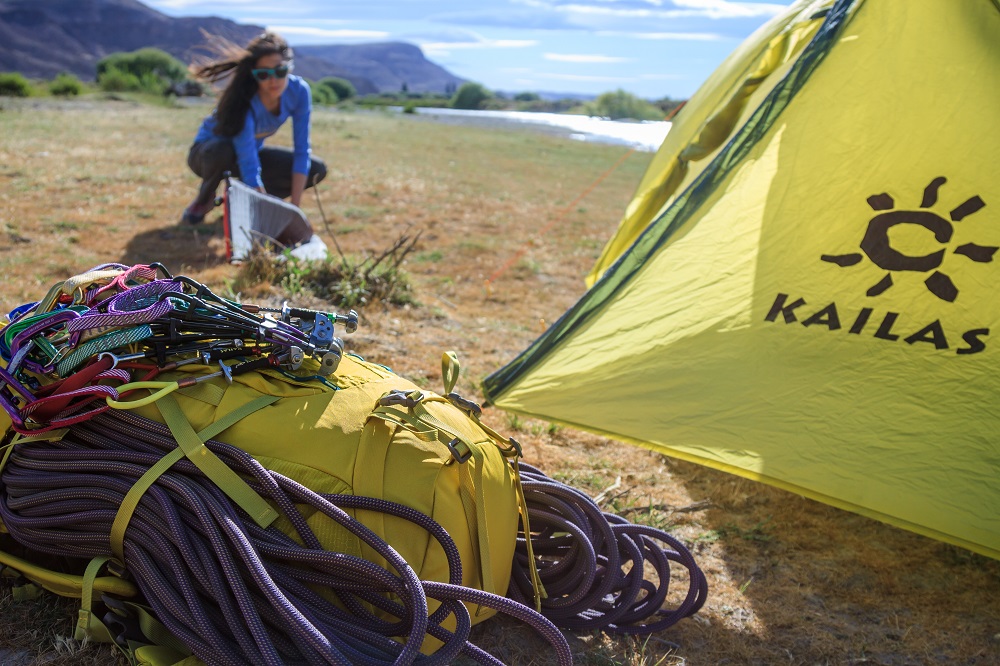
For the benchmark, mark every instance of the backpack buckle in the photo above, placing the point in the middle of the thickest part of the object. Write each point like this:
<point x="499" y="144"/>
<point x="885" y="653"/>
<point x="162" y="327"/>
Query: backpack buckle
<point x="400" y="397"/>
<point x="465" y="405"/>
<point x="460" y="457"/>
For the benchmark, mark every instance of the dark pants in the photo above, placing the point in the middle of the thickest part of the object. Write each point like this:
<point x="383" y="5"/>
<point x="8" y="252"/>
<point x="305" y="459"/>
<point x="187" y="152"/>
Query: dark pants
<point x="213" y="158"/>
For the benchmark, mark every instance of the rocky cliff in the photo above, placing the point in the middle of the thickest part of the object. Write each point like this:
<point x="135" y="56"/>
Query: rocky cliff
<point x="43" y="38"/>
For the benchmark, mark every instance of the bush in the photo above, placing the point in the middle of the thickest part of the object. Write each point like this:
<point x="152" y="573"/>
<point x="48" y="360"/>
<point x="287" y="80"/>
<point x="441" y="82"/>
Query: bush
<point x="65" y="85"/>
<point x="116" y="80"/>
<point x="470" y="96"/>
<point x="620" y="104"/>
<point x="345" y="281"/>
<point x="323" y="95"/>
<point x="152" y="83"/>
<point x="342" y="88"/>
<point x="13" y="84"/>
<point x="158" y="63"/>
<point x="147" y="70"/>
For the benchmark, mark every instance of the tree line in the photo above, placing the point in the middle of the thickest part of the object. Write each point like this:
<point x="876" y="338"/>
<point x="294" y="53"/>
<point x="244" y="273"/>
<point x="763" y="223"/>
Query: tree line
<point x="156" y="72"/>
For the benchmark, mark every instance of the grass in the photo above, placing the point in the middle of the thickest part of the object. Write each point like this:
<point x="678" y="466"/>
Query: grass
<point x="791" y="581"/>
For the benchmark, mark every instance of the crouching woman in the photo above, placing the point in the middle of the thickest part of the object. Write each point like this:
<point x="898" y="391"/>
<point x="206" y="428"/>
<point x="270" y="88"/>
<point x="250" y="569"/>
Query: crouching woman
<point x="260" y="96"/>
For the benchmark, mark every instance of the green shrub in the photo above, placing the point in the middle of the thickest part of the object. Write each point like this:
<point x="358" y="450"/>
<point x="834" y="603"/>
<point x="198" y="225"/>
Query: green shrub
<point x="113" y="79"/>
<point x="150" y="82"/>
<point x="342" y="88"/>
<point x="158" y="63"/>
<point x="13" y="84"/>
<point x="323" y="95"/>
<point x="65" y="85"/>
<point x="146" y="70"/>
<point x="410" y="107"/>
<point x="470" y="96"/>
<point x="494" y="104"/>
<point x="345" y="281"/>
<point x="620" y="104"/>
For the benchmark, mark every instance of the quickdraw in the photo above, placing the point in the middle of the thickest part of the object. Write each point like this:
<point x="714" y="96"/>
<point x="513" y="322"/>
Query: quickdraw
<point x="81" y="349"/>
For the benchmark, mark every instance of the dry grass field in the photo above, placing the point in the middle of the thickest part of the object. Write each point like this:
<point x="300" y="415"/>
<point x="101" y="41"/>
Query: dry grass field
<point x="791" y="581"/>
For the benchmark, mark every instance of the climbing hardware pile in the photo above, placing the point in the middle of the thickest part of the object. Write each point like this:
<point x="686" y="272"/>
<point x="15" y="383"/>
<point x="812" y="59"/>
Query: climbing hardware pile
<point x="255" y="494"/>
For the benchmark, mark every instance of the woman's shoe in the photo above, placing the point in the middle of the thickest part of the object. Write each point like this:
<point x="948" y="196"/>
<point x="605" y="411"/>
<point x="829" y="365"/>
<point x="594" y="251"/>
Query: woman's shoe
<point x="194" y="215"/>
<point x="191" y="218"/>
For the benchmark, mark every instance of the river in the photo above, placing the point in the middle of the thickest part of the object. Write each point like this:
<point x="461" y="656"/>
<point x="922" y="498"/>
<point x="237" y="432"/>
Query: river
<point x="641" y="135"/>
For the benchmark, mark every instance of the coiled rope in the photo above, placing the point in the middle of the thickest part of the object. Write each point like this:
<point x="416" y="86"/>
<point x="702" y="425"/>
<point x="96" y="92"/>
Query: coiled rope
<point x="592" y="564"/>
<point x="233" y="592"/>
<point x="231" y="589"/>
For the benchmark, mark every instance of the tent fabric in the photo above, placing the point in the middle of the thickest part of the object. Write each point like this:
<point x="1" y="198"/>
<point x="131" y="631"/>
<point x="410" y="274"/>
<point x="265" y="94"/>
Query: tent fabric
<point x="710" y="116"/>
<point x="814" y="308"/>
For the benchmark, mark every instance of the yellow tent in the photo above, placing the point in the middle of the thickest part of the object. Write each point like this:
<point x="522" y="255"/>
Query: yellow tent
<point x="802" y="291"/>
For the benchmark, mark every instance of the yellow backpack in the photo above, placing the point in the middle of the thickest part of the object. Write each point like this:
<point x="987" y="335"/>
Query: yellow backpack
<point x="362" y="431"/>
<point x="225" y="487"/>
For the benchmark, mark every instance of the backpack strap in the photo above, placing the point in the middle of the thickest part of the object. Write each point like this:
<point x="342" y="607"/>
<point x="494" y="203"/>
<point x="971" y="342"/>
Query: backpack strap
<point x="192" y="445"/>
<point x="89" y="625"/>
<point x="418" y="420"/>
<point x="450" y="369"/>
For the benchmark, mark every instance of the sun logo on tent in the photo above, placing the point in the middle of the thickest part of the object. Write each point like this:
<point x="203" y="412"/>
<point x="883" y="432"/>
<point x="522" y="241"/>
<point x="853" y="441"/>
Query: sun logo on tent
<point x="879" y="250"/>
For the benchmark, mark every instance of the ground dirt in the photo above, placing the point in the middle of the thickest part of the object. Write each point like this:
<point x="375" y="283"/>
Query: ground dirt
<point x="509" y="223"/>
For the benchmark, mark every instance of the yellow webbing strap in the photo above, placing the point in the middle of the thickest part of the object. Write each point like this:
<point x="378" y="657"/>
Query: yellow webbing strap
<point x="131" y="501"/>
<point x="157" y="655"/>
<point x="235" y="416"/>
<point x="20" y="591"/>
<point x="192" y="445"/>
<point x="64" y="584"/>
<point x="522" y="505"/>
<point x="50" y="436"/>
<point x="405" y="420"/>
<point x="26" y="592"/>
<point x="369" y="478"/>
<point x="478" y="509"/>
<point x="89" y="625"/>
<point x="426" y="426"/>
<point x="156" y="632"/>
<point x="226" y="479"/>
<point x="463" y="445"/>
<point x="512" y="450"/>
<point x="450" y="369"/>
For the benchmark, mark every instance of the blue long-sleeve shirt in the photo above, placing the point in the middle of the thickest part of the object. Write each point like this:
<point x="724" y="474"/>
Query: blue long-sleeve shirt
<point x="296" y="103"/>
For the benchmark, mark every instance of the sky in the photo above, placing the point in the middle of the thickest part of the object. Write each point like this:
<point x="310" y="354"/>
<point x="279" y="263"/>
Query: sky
<point x="650" y="48"/>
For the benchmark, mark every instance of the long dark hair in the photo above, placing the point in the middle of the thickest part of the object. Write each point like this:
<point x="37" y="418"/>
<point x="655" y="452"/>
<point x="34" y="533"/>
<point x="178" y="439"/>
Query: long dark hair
<point x="236" y="63"/>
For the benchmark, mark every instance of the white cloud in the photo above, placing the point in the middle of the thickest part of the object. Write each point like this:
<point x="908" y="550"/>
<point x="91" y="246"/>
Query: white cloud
<point x="661" y="77"/>
<point x="327" y="33"/>
<point x="442" y="49"/>
<point x="583" y="58"/>
<point x="581" y="77"/>
<point x="679" y="36"/>
<point x="712" y="9"/>
<point x="726" y="9"/>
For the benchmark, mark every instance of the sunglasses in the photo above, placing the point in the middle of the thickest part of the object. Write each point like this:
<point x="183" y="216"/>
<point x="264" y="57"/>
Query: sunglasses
<point x="263" y="74"/>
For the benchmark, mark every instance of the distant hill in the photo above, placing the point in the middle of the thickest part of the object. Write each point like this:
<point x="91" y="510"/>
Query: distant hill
<point x="41" y="38"/>
<point x="390" y="66"/>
